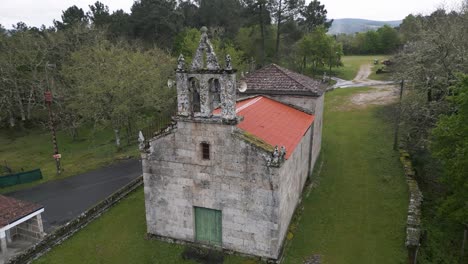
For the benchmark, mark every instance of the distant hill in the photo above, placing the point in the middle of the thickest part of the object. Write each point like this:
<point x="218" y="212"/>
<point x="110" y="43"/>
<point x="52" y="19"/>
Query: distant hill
<point x="353" y="25"/>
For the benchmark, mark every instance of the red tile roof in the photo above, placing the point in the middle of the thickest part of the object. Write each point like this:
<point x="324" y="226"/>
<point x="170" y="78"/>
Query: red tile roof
<point x="275" y="123"/>
<point x="273" y="79"/>
<point x="12" y="209"/>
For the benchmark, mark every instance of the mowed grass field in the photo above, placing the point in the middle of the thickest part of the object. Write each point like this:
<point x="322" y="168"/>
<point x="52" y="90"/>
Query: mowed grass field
<point x="356" y="214"/>
<point x="118" y="236"/>
<point x="351" y="65"/>
<point x="33" y="149"/>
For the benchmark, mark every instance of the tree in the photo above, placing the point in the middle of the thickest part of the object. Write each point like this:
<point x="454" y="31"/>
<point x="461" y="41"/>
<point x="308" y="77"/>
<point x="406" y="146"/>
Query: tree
<point x="389" y="40"/>
<point x="449" y="144"/>
<point x="99" y="14"/>
<point x="119" y="25"/>
<point x="283" y="11"/>
<point x="314" y="15"/>
<point x="118" y="85"/>
<point x="71" y="16"/>
<point x="22" y="58"/>
<point x="155" y="21"/>
<point x="250" y="41"/>
<point x="319" y="49"/>
<point x="221" y="14"/>
<point x="190" y="13"/>
<point x="410" y="28"/>
<point x="257" y="11"/>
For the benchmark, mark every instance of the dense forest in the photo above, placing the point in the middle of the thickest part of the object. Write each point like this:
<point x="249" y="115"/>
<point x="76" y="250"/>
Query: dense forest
<point x="111" y="69"/>
<point x="434" y="65"/>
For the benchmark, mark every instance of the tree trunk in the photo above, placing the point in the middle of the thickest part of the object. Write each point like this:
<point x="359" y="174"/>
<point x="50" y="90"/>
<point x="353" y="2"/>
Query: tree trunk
<point x="11" y="119"/>
<point x="30" y="101"/>
<point x="278" y="34"/>
<point x="117" y="137"/>
<point x="20" y="103"/>
<point x="262" y="29"/>
<point x="304" y="64"/>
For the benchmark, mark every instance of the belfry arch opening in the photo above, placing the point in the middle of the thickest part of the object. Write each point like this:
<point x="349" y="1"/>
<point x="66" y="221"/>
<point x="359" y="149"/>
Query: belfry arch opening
<point x="215" y="93"/>
<point x="194" y="88"/>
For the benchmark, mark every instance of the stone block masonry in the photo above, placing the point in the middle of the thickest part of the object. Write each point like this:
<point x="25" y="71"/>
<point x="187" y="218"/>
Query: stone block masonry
<point x="31" y="230"/>
<point x="256" y="201"/>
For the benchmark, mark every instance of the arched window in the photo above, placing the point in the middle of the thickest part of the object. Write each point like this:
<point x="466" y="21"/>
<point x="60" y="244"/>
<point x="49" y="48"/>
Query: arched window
<point x="215" y="93"/>
<point x="195" y="90"/>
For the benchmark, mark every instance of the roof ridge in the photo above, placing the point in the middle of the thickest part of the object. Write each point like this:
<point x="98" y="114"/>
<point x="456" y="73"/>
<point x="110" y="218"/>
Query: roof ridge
<point x="283" y="70"/>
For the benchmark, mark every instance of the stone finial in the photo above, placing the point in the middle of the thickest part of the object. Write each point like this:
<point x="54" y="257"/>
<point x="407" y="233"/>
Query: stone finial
<point x="282" y="152"/>
<point x="181" y="63"/>
<point x="205" y="47"/>
<point x="141" y="140"/>
<point x="277" y="156"/>
<point x="228" y="62"/>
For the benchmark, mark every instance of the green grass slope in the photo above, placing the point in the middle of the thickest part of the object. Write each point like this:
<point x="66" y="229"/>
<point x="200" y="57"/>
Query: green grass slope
<point x="357" y="213"/>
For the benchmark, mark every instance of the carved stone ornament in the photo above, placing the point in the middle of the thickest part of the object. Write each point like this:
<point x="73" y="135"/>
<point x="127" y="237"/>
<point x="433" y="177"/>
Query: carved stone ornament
<point x="228" y="62"/>
<point x="181" y="63"/>
<point x="277" y="157"/>
<point x="141" y="140"/>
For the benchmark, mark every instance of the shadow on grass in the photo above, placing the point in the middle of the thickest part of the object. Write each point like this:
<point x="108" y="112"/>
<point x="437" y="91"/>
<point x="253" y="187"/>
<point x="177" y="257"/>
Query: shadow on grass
<point x="203" y="255"/>
<point x="387" y="113"/>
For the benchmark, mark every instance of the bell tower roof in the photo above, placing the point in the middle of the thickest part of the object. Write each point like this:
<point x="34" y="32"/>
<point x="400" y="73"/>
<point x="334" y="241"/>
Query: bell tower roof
<point x="206" y="86"/>
<point x="205" y="49"/>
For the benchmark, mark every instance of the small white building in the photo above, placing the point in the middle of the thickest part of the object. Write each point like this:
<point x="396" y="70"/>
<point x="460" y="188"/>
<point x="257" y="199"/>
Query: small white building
<point x="20" y="226"/>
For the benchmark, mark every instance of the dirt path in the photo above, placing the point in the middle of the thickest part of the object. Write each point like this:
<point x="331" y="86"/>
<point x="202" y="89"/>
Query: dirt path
<point x="361" y="79"/>
<point x="380" y="96"/>
<point x="364" y="73"/>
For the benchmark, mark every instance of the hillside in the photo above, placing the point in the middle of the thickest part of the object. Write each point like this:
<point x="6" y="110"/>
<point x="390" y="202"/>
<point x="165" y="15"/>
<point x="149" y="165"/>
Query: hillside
<point x="353" y="25"/>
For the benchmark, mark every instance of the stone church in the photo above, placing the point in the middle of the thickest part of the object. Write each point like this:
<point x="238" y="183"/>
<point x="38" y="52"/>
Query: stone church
<point x="229" y="172"/>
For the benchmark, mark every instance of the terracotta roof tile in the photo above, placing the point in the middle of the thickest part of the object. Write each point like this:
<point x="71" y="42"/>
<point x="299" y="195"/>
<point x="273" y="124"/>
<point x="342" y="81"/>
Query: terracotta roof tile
<point x="275" y="123"/>
<point x="275" y="79"/>
<point x="12" y="209"/>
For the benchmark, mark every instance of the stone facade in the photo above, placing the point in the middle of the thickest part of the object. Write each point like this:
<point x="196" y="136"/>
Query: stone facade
<point x="255" y="191"/>
<point x="257" y="201"/>
<point x="30" y="230"/>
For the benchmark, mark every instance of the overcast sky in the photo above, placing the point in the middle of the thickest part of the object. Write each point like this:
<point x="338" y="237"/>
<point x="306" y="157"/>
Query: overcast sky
<point x="38" y="12"/>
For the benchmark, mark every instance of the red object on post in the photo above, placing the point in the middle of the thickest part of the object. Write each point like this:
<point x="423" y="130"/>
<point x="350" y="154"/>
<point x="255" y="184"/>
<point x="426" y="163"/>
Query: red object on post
<point x="48" y="96"/>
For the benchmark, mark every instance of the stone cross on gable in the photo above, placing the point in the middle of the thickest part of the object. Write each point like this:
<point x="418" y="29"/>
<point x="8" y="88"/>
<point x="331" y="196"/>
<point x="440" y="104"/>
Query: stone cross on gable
<point x="205" y="47"/>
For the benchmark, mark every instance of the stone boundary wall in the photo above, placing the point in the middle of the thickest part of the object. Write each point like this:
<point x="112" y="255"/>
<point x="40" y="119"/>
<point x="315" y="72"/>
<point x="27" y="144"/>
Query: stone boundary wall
<point x="65" y="231"/>
<point x="413" y="222"/>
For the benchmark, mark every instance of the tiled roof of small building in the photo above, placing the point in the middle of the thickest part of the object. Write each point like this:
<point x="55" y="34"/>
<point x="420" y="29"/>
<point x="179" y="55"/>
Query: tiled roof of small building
<point x="12" y="209"/>
<point x="273" y="79"/>
<point x="275" y="123"/>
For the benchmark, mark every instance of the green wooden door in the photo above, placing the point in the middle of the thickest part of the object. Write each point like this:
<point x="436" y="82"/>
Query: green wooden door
<point x="208" y="226"/>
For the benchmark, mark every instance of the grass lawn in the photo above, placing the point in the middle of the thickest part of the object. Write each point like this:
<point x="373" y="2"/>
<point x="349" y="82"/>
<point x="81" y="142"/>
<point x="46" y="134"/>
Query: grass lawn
<point x="118" y="236"/>
<point x="357" y="214"/>
<point x="34" y="149"/>
<point x="351" y="65"/>
<point x="379" y="77"/>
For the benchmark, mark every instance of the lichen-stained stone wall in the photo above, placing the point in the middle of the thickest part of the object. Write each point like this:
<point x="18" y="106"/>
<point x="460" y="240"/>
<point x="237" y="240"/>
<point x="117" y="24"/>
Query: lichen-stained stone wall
<point x="235" y="180"/>
<point x="293" y="175"/>
<point x="317" y="125"/>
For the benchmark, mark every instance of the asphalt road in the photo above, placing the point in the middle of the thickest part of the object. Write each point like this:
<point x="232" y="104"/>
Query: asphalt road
<point x="65" y="199"/>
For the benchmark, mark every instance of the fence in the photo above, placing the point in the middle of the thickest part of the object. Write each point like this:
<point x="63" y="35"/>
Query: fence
<point x="22" y="177"/>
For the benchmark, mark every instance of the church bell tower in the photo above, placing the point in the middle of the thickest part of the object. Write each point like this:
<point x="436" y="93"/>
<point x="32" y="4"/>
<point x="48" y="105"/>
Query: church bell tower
<point x="205" y="86"/>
